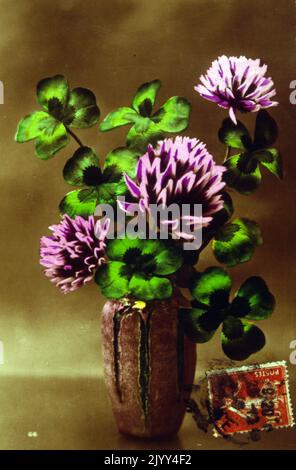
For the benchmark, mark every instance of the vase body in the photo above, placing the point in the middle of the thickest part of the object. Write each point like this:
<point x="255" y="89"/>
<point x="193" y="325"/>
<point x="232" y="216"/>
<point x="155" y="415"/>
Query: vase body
<point x="148" y="365"/>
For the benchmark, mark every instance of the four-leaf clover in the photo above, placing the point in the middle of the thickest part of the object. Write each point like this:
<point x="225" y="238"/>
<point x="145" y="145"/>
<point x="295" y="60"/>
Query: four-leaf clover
<point x="63" y="109"/>
<point x="211" y="308"/>
<point x="243" y="168"/>
<point x="146" y="128"/>
<point x="138" y="268"/>
<point x="100" y="186"/>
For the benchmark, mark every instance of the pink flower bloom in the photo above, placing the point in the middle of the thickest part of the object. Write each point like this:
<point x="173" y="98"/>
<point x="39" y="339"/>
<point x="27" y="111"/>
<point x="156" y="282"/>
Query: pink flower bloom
<point x="73" y="251"/>
<point x="179" y="171"/>
<point x="237" y="84"/>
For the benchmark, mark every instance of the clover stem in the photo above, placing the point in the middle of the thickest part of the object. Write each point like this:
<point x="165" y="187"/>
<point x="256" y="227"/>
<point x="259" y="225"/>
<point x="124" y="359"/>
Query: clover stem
<point x="74" y="136"/>
<point x="227" y="153"/>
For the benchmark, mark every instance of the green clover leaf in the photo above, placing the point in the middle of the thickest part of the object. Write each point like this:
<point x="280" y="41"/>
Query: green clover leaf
<point x="119" y="117"/>
<point x="253" y="300"/>
<point x="243" y="169"/>
<point x="212" y="287"/>
<point x="139" y="269"/>
<point x="271" y="159"/>
<point x="146" y="128"/>
<point x="145" y="97"/>
<point x="243" y="173"/>
<point x="50" y="135"/>
<point x="200" y="324"/>
<point x="232" y="327"/>
<point x="150" y="289"/>
<point x="166" y="257"/>
<point x="112" y="283"/>
<point x="76" y="108"/>
<point x="53" y="92"/>
<point x="139" y="140"/>
<point x="79" y="202"/>
<point x="122" y="160"/>
<point x="83" y="168"/>
<point x="224" y="214"/>
<point x="219" y="219"/>
<point x="63" y="109"/>
<point x="100" y="186"/>
<point x="173" y="116"/>
<point x="235" y="242"/>
<point x="240" y="347"/>
<point x="211" y="307"/>
<point x="116" y="249"/>
<point x="234" y="135"/>
<point x="82" y="111"/>
<point x="266" y="130"/>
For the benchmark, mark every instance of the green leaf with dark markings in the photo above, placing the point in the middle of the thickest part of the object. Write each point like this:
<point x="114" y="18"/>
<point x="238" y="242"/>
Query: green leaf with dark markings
<point x="266" y="130"/>
<point x="234" y="135"/>
<point x="272" y="160"/>
<point x="243" y="173"/>
<point x="173" y="116"/>
<point x="79" y="202"/>
<point x="253" y="300"/>
<point x="122" y="160"/>
<point x="235" y="242"/>
<point x="113" y="283"/>
<point x="212" y="287"/>
<point x="145" y="97"/>
<point x="119" y="117"/>
<point x="200" y="324"/>
<point x="83" y="168"/>
<point x="241" y="347"/>
<point x="50" y="135"/>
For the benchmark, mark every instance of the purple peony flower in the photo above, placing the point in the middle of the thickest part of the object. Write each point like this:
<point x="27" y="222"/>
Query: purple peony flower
<point x="73" y="251"/>
<point x="237" y="84"/>
<point x="179" y="171"/>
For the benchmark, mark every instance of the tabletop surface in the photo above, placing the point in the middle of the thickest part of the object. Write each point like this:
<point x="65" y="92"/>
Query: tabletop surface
<point x="57" y="413"/>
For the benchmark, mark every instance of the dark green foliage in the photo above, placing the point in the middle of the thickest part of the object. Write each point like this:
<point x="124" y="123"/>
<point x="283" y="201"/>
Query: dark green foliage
<point x="211" y="308"/>
<point x="243" y="168"/>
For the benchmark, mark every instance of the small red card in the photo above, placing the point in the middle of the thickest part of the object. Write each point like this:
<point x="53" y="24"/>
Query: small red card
<point x="250" y="397"/>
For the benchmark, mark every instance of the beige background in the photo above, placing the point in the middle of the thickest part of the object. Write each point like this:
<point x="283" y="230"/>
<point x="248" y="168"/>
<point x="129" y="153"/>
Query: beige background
<point x="50" y="381"/>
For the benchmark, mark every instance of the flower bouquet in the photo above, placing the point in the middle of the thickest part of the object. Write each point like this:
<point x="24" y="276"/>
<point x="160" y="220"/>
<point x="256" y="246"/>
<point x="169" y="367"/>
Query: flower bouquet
<point x="138" y="223"/>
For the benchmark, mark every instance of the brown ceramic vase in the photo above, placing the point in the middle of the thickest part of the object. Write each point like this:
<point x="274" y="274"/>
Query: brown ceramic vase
<point x="148" y="366"/>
